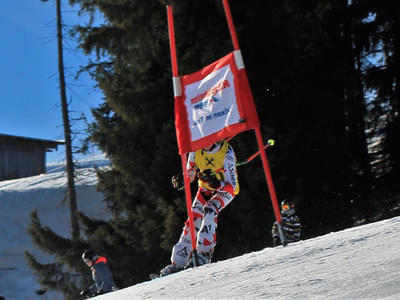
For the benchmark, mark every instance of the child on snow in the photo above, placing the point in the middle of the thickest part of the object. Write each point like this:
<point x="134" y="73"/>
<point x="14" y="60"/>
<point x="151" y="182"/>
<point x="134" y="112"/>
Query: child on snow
<point x="291" y="225"/>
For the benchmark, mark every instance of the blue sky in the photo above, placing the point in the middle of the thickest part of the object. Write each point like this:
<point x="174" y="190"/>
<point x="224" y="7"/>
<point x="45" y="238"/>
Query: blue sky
<point x="30" y="101"/>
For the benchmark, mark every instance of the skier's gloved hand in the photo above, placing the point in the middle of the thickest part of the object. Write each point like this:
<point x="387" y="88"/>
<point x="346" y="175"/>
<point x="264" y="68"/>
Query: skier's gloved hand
<point x="211" y="178"/>
<point x="214" y="183"/>
<point x="177" y="182"/>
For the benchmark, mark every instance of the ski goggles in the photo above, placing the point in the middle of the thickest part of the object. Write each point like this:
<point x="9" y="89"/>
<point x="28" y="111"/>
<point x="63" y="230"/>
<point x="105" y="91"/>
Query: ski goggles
<point x="86" y="260"/>
<point x="285" y="207"/>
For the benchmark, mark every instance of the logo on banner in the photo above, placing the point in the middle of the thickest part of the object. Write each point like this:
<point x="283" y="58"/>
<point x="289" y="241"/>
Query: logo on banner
<point x="209" y="95"/>
<point x="211" y="103"/>
<point x="206" y="103"/>
<point x="207" y="106"/>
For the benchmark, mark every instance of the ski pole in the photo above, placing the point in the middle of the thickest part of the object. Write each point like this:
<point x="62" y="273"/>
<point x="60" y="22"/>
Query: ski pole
<point x="270" y="142"/>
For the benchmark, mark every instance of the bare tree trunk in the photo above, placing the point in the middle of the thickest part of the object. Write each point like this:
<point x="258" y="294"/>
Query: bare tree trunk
<point x="67" y="129"/>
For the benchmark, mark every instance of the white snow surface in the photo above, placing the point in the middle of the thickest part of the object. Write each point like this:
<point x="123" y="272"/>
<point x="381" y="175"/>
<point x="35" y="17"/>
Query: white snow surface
<point x="45" y="193"/>
<point x="357" y="263"/>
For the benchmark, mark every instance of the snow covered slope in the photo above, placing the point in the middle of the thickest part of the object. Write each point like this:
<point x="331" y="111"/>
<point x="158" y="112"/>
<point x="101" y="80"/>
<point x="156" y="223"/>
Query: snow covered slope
<point x="45" y="193"/>
<point x="357" y="263"/>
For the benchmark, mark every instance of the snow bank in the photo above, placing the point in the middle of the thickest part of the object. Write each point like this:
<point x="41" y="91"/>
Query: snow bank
<point x="357" y="263"/>
<point x="96" y="161"/>
<point x="45" y="193"/>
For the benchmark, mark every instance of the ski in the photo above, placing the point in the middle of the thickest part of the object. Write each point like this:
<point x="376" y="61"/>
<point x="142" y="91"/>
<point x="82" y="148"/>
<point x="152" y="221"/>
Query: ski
<point x="154" y="276"/>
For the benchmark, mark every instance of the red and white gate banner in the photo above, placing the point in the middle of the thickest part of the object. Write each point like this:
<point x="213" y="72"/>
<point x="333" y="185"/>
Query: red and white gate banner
<point x="213" y="103"/>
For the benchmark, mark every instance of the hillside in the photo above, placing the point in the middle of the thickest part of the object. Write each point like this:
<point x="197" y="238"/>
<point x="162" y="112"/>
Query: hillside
<point x="46" y="194"/>
<point x="356" y="263"/>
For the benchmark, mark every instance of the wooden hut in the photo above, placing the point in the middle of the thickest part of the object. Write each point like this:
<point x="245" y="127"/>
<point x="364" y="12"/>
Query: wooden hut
<point x="23" y="156"/>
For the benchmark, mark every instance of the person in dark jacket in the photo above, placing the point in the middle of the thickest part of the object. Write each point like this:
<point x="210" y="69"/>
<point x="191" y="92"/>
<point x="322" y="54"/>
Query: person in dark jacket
<point x="291" y="225"/>
<point x="101" y="274"/>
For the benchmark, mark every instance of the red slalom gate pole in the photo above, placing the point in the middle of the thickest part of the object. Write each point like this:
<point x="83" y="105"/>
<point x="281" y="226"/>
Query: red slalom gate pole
<point x="171" y="35"/>
<point x="271" y="187"/>
<point x="177" y="95"/>
<point x="258" y="133"/>
<point x="230" y="24"/>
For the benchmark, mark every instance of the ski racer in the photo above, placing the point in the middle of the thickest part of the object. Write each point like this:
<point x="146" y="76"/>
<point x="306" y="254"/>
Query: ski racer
<point x="291" y="225"/>
<point x="215" y="168"/>
<point x="101" y="275"/>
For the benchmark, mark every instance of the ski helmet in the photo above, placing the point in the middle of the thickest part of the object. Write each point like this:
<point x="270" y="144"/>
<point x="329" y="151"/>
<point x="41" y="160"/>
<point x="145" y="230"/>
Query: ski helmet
<point x="214" y="145"/>
<point x="89" y="255"/>
<point x="287" y="207"/>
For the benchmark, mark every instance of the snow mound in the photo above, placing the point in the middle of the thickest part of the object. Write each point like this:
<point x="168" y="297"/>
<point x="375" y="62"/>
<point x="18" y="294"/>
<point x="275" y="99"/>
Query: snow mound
<point x="45" y="193"/>
<point x="356" y="263"/>
<point x="96" y="161"/>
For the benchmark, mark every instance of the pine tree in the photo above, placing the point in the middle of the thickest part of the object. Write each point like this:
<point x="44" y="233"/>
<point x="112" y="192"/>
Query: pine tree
<point x="66" y="125"/>
<point x="65" y="274"/>
<point x="382" y="78"/>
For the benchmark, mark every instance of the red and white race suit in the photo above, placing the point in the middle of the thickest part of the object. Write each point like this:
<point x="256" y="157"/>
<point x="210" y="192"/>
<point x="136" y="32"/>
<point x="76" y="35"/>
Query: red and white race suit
<point x="209" y="200"/>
